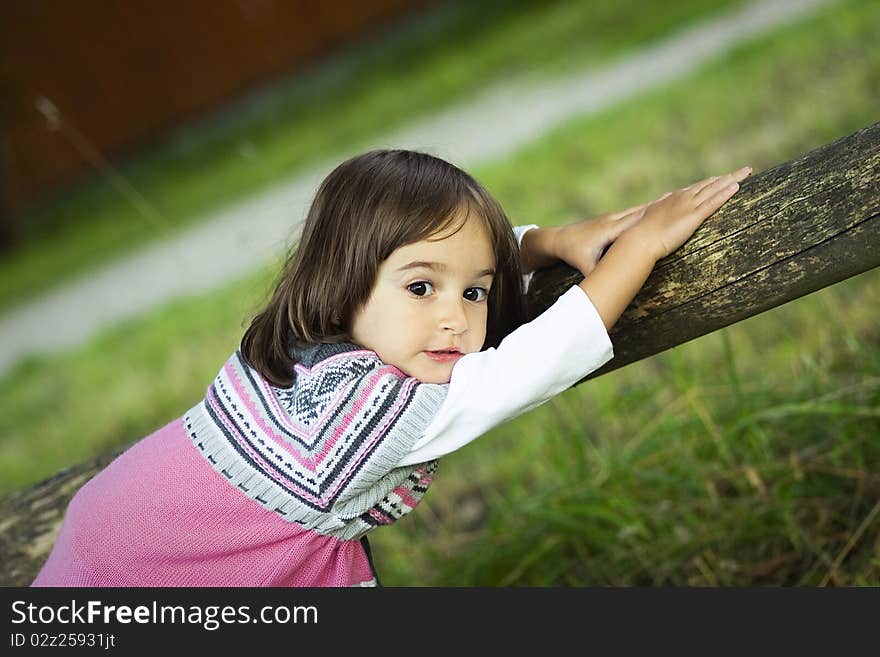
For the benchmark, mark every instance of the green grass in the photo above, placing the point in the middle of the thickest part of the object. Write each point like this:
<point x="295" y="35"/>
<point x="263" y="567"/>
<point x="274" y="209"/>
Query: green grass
<point x="450" y="54"/>
<point x="749" y="456"/>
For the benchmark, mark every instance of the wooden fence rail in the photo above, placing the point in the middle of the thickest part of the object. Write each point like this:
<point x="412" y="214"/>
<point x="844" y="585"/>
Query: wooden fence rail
<point x="789" y="231"/>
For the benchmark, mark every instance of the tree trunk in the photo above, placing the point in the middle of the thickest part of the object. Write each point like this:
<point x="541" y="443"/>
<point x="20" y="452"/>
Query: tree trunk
<point x="789" y="231"/>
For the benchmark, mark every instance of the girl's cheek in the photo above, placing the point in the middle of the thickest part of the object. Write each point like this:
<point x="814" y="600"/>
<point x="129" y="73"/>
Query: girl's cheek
<point x="482" y="319"/>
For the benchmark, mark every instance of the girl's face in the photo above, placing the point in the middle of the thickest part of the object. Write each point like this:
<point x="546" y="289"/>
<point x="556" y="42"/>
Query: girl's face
<point x="429" y="303"/>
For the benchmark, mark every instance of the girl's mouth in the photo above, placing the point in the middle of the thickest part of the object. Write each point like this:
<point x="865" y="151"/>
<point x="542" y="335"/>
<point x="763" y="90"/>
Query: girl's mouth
<point x="444" y="355"/>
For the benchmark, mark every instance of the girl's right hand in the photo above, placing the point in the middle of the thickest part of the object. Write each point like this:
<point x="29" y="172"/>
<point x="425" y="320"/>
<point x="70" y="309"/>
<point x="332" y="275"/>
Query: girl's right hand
<point x="670" y="220"/>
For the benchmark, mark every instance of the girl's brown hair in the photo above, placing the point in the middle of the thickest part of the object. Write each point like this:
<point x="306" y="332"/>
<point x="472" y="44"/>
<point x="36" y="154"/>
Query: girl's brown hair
<point x="366" y="208"/>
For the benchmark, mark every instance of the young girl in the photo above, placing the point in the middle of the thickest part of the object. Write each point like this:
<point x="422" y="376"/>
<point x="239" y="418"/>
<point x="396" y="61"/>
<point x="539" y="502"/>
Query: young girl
<point x="394" y="336"/>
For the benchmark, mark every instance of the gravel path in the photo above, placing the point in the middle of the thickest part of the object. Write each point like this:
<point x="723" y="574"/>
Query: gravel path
<point x="245" y="235"/>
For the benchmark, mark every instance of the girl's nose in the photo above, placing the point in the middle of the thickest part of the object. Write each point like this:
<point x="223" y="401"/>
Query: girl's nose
<point x="453" y="317"/>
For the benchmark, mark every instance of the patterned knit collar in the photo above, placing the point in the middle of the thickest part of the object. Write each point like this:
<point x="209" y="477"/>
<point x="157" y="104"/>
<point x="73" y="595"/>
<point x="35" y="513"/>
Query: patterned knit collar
<point x="313" y="354"/>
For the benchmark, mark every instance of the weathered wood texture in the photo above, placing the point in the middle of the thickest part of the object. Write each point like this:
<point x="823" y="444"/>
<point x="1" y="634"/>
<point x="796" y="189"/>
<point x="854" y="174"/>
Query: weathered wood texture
<point x="789" y="231"/>
<point x="30" y="520"/>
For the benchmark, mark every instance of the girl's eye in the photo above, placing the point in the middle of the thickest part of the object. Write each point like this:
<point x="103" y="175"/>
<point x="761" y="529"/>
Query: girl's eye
<point x="476" y="293"/>
<point x="420" y="289"/>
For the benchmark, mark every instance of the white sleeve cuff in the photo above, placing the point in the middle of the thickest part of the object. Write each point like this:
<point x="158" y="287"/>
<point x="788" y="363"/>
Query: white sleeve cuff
<point x="535" y="362"/>
<point x="519" y="231"/>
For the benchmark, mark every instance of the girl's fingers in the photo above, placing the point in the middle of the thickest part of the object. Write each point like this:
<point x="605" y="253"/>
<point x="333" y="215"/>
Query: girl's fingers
<point x="701" y="184"/>
<point x="720" y="182"/>
<point x="710" y="189"/>
<point x="717" y="199"/>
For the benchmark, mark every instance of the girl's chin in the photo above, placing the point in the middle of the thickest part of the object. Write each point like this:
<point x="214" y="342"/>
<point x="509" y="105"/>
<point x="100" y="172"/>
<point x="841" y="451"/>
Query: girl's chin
<point x="430" y="371"/>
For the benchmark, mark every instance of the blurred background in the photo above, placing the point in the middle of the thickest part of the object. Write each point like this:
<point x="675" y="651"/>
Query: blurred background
<point x="156" y="160"/>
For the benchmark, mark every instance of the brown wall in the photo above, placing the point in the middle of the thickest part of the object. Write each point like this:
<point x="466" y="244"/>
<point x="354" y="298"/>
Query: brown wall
<point x="119" y="72"/>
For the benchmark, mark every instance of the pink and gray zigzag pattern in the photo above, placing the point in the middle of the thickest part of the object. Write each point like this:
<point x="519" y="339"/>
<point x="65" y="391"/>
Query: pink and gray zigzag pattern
<point x="322" y="453"/>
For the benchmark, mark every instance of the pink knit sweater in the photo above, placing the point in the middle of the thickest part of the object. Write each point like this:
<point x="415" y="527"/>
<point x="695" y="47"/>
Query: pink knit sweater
<point x="256" y="486"/>
<point x="111" y="536"/>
